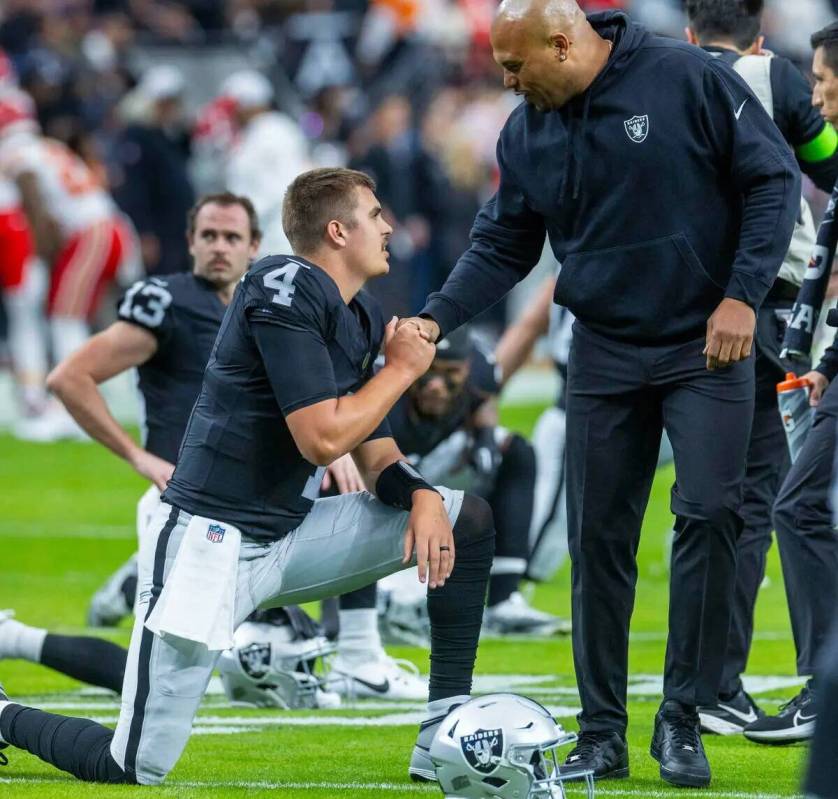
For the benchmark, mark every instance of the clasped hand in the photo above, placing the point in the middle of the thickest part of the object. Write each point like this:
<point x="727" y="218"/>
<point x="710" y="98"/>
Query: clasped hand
<point x="730" y="333"/>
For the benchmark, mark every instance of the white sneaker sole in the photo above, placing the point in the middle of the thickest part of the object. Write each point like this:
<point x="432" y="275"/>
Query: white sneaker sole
<point x="717" y="726"/>
<point x="347" y="686"/>
<point x="790" y="736"/>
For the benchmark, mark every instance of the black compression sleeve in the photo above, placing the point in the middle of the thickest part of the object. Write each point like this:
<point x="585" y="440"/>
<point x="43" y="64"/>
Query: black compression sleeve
<point x="396" y="484"/>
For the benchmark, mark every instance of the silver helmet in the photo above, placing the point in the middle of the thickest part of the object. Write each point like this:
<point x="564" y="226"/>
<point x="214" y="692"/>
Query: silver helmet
<point x="271" y="665"/>
<point x="502" y="745"/>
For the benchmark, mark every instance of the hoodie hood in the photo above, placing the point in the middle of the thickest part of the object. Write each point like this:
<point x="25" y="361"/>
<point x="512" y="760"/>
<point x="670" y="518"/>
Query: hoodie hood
<point x="626" y="38"/>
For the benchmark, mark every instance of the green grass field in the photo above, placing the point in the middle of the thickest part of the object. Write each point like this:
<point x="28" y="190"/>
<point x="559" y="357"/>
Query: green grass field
<point x="68" y="521"/>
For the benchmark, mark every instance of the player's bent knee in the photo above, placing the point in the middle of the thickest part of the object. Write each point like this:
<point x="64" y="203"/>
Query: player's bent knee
<point x="92" y="754"/>
<point x="475" y="523"/>
<point x="519" y="454"/>
<point x="110" y="772"/>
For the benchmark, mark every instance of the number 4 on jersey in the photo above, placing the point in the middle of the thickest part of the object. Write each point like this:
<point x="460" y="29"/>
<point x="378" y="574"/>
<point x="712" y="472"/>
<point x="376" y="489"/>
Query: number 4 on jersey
<point x="282" y="281"/>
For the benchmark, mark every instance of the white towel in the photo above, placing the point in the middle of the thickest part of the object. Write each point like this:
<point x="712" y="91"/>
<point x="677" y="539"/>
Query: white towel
<point x="199" y="597"/>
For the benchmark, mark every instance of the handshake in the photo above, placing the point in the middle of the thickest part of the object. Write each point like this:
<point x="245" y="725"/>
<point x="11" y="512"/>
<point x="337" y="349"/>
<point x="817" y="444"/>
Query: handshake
<point x="428" y="329"/>
<point x="409" y="345"/>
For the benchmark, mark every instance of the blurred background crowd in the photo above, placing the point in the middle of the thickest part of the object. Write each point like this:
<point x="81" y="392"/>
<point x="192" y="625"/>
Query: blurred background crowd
<point x="164" y="100"/>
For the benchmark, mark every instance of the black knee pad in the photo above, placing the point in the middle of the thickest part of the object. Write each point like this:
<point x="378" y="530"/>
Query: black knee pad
<point x="475" y="523"/>
<point x="519" y="456"/>
<point x="361" y="599"/>
<point x="93" y="750"/>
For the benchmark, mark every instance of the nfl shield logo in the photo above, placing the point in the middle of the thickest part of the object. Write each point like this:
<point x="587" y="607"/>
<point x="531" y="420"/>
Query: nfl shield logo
<point x="482" y="749"/>
<point x="637" y="128"/>
<point x="215" y="533"/>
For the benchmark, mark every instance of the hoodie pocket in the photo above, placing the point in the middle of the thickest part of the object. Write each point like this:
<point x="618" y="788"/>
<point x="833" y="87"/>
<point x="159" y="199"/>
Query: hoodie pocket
<point x="647" y="291"/>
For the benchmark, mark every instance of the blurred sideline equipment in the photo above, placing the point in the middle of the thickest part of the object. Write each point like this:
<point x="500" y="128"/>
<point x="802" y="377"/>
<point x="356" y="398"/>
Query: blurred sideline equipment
<point x="276" y="661"/>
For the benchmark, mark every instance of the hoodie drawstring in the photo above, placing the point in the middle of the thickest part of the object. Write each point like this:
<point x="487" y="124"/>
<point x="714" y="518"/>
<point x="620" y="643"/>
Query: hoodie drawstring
<point x="573" y="165"/>
<point x="577" y="146"/>
<point x="568" y="157"/>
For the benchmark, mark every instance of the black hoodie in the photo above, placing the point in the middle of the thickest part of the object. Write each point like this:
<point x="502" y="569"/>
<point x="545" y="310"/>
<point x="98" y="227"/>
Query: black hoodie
<point x="663" y="188"/>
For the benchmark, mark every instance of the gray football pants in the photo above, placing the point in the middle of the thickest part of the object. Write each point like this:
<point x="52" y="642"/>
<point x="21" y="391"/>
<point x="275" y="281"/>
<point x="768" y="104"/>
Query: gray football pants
<point x="620" y="397"/>
<point x="344" y="543"/>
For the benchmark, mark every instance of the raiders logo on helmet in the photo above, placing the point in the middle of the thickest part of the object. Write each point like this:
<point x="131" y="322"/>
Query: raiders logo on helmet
<point x="482" y="749"/>
<point x="256" y="660"/>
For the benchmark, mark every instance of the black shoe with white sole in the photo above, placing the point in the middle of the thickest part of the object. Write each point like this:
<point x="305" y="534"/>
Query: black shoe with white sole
<point x="730" y="716"/>
<point x="603" y="753"/>
<point x="795" y="722"/>
<point x="677" y="746"/>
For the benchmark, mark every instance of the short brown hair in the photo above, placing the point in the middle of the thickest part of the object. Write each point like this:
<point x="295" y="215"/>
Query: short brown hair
<point x="316" y="197"/>
<point x="225" y="199"/>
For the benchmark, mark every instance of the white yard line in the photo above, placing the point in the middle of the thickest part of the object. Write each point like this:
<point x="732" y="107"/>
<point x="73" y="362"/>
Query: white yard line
<point x="605" y="790"/>
<point x="208" y="723"/>
<point x="401" y="787"/>
<point x="406" y="787"/>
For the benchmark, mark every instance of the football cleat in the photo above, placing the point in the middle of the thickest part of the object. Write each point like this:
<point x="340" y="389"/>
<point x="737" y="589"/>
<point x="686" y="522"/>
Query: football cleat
<point x="730" y="716"/>
<point x="9" y="629"/>
<point x="272" y="664"/>
<point x="501" y="745"/>
<point x="115" y="599"/>
<point x="380" y="677"/>
<point x="421" y="768"/>
<point x="795" y="721"/>
<point x="516" y="616"/>
<point x="677" y="746"/>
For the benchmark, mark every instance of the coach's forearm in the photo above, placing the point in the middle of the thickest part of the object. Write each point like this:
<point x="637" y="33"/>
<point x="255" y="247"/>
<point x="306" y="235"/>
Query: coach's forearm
<point x="326" y="431"/>
<point x="85" y="403"/>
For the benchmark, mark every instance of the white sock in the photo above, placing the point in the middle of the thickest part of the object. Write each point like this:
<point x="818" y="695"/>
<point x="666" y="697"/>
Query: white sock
<point x="358" y="639"/>
<point x="441" y="706"/>
<point x="27" y="340"/>
<point x="67" y="335"/>
<point x="18" y="640"/>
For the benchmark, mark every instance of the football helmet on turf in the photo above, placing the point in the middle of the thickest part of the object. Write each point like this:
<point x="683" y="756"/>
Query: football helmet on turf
<point x="275" y="662"/>
<point x="501" y="745"/>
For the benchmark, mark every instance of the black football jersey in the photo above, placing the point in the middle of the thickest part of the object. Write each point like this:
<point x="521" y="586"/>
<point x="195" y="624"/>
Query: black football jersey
<point x="417" y="435"/>
<point x="183" y="312"/>
<point x="288" y="341"/>
<point x="798" y="120"/>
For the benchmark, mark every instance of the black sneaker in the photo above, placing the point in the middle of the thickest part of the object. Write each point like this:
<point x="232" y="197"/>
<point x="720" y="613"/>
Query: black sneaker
<point x="603" y="753"/>
<point x="730" y="716"/>
<point x="795" y="722"/>
<point x="677" y="746"/>
<point x="4" y="761"/>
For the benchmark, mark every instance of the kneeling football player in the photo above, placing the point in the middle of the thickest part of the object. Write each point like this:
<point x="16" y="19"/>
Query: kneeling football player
<point x="288" y="389"/>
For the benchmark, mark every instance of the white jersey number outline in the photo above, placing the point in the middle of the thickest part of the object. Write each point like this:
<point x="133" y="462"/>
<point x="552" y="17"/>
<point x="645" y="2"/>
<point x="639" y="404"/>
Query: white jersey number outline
<point x="282" y="281"/>
<point x="151" y="310"/>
